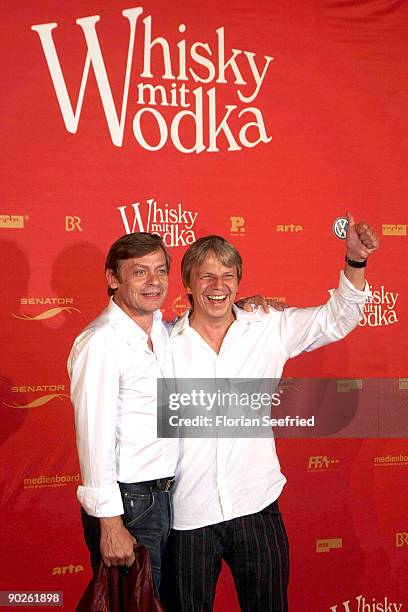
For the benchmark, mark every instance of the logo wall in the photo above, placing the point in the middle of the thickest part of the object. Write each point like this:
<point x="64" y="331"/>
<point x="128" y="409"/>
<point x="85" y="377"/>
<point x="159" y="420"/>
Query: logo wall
<point x="60" y="305"/>
<point x="174" y="225"/>
<point x="190" y="74"/>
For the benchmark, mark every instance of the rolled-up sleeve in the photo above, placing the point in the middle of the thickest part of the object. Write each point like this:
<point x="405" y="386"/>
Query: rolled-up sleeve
<point x="94" y="372"/>
<point x="306" y="329"/>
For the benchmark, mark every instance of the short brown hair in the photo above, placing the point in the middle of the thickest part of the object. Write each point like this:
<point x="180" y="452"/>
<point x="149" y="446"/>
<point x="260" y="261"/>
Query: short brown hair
<point x="198" y="251"/>
<point x="137" y="244"/>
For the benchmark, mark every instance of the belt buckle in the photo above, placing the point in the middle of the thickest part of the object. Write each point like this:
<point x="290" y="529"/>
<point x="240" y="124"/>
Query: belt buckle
<point x="169" y="484"/>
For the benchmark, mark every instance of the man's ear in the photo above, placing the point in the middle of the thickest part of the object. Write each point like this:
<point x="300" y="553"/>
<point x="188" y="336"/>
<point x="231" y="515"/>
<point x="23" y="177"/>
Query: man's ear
<point x="111" y="279"/>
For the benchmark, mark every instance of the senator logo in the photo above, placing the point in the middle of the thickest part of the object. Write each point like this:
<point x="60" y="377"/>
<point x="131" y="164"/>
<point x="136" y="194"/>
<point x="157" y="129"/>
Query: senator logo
<point x="340" y="226"/>
<point x="185" y="98"/>
<point x="392" y="229"/>
<point x="322" y="463"/>
<point x="401" y="539"/>
<point x="62" y="304"/>
<point x="237" y="226"/>
<point x="361" y="603"/>
<point x="174" y="225"/>
<point x="344" y="385"/>
<point x="179" y="305"/>
<point x="12" y="221"/>
<point x="391" y="460"/>
<point x="328" y="544"/>
<point x="289" y="228"/>
<point x="49" y="393"/>
<point x="67" y="569"/>
<point x="56" y="480"/>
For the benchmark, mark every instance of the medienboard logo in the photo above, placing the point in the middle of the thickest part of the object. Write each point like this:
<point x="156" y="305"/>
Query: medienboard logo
<point x="392" y="229"/>
<point x="391" y="460"/>
<point x="361" y="603"/>
<point x="322" y="463"/>
<point x="48" y="393"/>
<point x="61" y="304"/>
<point x="328" y="544"/>
<point x="174" y="225"/>
<point x="12" y="221"/>
<point x="56" y="480"/>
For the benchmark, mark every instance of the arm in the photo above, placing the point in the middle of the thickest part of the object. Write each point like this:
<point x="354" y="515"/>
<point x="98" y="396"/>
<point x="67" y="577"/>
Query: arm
<point x="94" y="392"/>
<point x="305" y="329"/>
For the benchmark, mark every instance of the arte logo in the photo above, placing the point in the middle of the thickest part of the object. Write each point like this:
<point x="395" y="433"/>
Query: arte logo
<point x="237" y="226"/>
<point x="49" y="313"/>
<point x="49" y="393"/>
<point x="12" y="221"/>
<point x="391" y="460"/>
<point x="328" y="544"/>
<point x="67" y="569"/>
<point x="322" y="463"/>
<point x="57" y="480"/>
<point x="365" y="604"/>
<point x="401" y="539"/>
<point x="174" y="225"/>
<point x="392" y="229"/>
<point x="190" y="75"/>
<point x="344" y="385"/>
<point x="289" y="228"/>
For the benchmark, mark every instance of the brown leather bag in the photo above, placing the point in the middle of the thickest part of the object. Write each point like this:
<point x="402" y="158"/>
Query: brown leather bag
<point x="112" y="591"/>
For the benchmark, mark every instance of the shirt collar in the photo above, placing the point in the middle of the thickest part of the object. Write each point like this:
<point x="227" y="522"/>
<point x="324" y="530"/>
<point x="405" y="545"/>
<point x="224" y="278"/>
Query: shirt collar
<point x="125" y="323"/>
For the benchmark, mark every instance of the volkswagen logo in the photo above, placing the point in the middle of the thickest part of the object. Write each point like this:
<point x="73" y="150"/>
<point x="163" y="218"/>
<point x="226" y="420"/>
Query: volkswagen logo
<point x="340" y="227"/>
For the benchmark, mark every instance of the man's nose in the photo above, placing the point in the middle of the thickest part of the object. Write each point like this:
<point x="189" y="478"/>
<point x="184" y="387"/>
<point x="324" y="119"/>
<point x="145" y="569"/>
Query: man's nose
<point x="218" y="283"/>
<point x="152" y="278"/>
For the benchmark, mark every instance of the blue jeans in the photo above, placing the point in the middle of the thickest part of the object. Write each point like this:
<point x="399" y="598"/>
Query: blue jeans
<point x="147" y="516"/>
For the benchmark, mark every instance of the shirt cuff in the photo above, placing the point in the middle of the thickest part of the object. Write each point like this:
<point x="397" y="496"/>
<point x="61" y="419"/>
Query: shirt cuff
<point x="105" y="501"/>
<point x="348" y="290"/>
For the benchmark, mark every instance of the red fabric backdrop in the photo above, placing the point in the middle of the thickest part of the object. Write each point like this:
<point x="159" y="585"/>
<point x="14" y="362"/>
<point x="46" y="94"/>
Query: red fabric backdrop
<point x="266" y="152"/>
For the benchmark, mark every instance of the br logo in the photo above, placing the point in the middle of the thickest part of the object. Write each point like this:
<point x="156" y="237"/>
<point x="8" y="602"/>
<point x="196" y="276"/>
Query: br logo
<point x="237" y="225"/>
<point x="340" y="227"/>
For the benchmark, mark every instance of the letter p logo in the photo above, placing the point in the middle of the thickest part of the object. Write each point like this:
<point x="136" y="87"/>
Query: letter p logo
<point x="237" y="225"/>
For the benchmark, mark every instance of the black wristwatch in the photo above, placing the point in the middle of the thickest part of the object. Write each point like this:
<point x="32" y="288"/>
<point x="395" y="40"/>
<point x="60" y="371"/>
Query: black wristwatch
<point x="355" y="264"/>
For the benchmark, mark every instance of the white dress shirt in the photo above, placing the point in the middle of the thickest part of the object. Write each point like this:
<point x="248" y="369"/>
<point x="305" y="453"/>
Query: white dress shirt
<point x="114" y="389"/>
<point x="218" y="479"/>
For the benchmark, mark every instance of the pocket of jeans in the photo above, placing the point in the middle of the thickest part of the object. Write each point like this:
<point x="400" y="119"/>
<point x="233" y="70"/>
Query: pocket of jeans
<point x="137" y="507"/>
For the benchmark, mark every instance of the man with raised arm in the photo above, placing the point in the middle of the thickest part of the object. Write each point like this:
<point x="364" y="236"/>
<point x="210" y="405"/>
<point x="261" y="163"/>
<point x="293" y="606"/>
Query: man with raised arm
<point x="225" y="499"/>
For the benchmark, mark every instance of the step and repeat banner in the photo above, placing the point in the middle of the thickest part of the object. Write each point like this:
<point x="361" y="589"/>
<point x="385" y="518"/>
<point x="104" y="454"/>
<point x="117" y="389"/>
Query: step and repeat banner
<point x="259" y="121"/>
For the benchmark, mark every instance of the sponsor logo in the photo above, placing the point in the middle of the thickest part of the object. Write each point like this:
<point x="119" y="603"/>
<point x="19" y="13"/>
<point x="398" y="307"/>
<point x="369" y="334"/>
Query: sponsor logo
<point x="361" y="603"/>
<point x="179" y="305"/>
<point x="328" y="544"/>
<point x="12" y="221"/>
<point x="278" y="298"/>
<point x="391" y="460"/>
<point x="392" y="229"/>
<point x="189" y="73"/>
<point x="340" y="226"/>
<point x="73" y="224"/>
<point x="289" y="228"/>
<point x="401" y="539"/>
<point x="50" y="392"/>
<point x="60" y="302"/>
<point x="322" y="463"/>
<point x="237" y="226"/>
<point x="344" y="385"/>
<point x="403" y="384"/>
<point x="381" y="309"/>
<point x="67" y="569"/>
<point x="174" y="225"/>
<point x="43" y="481"/>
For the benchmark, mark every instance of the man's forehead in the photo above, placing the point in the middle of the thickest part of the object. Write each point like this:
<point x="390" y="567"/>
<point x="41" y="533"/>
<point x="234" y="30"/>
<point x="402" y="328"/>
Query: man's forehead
<point x="154" y="258"/>
<point x="212" y="262"/>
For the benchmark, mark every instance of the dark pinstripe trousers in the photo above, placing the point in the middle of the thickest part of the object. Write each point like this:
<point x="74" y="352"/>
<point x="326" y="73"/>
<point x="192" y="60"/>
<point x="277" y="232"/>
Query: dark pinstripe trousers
<point x="255" y="547"/>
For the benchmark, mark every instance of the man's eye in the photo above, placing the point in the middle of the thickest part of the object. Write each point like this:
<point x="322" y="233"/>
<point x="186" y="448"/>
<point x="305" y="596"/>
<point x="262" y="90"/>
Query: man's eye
<point x="162" y="271"/>
<point x="139" y="272"/>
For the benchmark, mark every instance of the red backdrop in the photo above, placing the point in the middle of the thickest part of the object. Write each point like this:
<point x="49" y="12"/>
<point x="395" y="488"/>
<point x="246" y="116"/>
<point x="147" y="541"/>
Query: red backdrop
<point x="203" y="129"/>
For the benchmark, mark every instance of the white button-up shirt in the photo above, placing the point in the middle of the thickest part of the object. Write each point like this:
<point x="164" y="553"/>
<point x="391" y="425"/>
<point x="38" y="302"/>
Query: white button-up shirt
<point x="218" y="479"/>
<point x="114" y="392"/>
